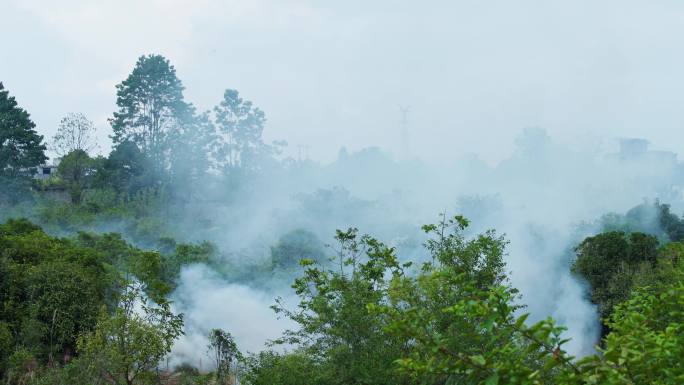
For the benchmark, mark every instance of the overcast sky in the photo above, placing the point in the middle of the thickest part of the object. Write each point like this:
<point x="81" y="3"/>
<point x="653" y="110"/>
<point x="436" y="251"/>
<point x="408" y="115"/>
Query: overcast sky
<point x="332" y="73"/>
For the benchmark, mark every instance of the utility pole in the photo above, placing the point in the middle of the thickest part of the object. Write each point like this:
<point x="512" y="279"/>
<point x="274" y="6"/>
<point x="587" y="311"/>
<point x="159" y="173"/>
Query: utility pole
<point x="403" y="130"/>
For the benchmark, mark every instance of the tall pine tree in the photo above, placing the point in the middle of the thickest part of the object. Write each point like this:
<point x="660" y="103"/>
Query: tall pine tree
<point x="152" y="109"/>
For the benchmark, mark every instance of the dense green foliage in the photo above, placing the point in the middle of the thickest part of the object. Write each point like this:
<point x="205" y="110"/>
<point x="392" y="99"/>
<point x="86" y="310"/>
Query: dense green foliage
<point x="126" y="171"/>
<point x="363" y="316"/>
<point x="21" y="148"/>
<point x="369" y="320"/>
<point x="334" y="305"/>
<point x="458" y="316"/>
<point x="646" y="343"/>
<point x="76" y="169"/>
<point x="130" y="343"/>
<point x="293" y="368"/>
<point x="610" y="262"/>
<point x="54" y="290"/>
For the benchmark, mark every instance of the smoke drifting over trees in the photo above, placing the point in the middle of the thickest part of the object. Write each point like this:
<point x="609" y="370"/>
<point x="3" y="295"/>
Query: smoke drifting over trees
<point x="205" y="228"/>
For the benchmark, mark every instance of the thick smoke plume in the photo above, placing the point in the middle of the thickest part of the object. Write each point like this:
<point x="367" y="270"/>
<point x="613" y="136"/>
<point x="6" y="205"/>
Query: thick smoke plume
<point x="545" y="198"/>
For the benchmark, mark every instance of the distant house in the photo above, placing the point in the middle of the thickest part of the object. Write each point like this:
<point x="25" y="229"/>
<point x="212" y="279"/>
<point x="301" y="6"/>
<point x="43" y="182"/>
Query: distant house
<point x="637" y="150"/>
<point x="45" y="171"/>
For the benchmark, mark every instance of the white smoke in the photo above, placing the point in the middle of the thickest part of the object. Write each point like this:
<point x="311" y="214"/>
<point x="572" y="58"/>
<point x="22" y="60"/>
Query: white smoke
<point x="538" y="198"/>
<point x="209" y="302"/>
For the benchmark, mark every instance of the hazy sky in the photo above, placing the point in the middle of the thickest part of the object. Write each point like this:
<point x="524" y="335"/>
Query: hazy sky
<point x="332" y="73"/>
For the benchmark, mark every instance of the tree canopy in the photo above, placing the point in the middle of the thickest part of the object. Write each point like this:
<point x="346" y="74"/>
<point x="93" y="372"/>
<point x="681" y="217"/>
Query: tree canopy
<point x="151" y="108"/>
<point x="75" y="132"/>
<point x="611" y="262"/>
<point x="21" y="148"/>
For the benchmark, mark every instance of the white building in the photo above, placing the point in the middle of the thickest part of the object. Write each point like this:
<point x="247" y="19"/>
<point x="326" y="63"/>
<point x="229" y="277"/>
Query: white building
<point x="45" y="171"/>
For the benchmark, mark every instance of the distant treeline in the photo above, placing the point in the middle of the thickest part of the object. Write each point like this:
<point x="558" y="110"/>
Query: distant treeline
<point x="159" y="139"/>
